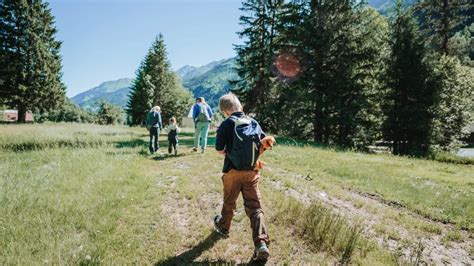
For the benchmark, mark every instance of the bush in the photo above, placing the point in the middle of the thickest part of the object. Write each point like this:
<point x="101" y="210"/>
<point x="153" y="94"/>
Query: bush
<point x="68" y="112"/>
<point x="109" y="114"/>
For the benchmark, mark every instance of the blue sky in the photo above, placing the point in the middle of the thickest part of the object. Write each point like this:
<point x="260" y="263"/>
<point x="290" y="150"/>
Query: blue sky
<point x="106" y="39"/>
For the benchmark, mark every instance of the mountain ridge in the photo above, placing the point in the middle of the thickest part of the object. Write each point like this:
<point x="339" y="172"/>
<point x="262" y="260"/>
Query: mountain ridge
<point x="114" y="92"/>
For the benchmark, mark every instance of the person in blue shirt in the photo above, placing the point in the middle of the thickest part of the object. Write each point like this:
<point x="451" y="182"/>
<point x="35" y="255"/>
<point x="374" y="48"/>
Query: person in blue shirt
<point x="154" y="125"/>
<point x="202" y="115"/>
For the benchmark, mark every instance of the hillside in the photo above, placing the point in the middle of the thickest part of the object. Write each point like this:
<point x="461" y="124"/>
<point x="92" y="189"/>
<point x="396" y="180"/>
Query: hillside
<point x="115" y="92"/>
<point x="383" y="6"/>
<point x="210" y="81"/>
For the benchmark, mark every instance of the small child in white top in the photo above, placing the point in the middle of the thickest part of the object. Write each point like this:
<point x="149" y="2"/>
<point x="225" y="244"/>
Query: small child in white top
<point x="173" y="131"/>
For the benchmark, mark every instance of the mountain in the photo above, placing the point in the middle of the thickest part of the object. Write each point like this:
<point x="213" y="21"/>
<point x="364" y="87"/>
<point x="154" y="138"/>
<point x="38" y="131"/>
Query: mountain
<point x="115" y="92"/>
<point x="185" y="70"/>
<point x="190" y="72"/>
<point x="211" y="81"/>
<point x="383" y="6"/>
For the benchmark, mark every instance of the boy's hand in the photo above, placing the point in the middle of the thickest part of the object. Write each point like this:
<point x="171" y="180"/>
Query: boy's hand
<point x="221" y="152"/>
<point x="267" y="143"/>
<point x="259" y="165"/>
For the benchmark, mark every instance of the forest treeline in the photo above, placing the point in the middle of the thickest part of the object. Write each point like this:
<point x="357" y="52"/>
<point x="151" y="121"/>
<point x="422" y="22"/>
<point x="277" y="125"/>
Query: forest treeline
<point x="406" y="79"/>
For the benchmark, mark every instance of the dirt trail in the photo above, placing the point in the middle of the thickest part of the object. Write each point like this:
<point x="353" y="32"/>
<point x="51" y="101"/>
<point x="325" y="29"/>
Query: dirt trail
<point x="434" y="252"/>
<point x="190" y="204"/>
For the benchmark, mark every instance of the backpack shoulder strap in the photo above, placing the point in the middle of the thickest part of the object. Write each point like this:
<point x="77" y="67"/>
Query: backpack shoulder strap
<point x="233" y="118"/>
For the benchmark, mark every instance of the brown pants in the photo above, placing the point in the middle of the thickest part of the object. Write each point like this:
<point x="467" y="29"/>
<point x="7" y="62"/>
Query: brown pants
<point x="247" y="183"/>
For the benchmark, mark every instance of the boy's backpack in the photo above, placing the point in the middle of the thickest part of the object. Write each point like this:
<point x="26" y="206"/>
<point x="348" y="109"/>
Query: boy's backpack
<point x="246" y="143"/>
<point x="203" y="116"/>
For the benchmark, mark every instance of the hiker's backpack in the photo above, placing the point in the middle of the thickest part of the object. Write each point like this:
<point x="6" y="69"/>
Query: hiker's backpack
<point x="246" y="143"/>
<point x="203" y="116"/>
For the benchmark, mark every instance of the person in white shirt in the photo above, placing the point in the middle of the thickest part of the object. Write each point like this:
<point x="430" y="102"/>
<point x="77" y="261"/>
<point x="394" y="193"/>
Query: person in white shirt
<point x="173" y="131"/>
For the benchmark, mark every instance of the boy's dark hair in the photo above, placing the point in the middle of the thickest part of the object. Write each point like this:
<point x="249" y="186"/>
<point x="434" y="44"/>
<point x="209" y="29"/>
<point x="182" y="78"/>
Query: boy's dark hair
<point x="172" y="119"/>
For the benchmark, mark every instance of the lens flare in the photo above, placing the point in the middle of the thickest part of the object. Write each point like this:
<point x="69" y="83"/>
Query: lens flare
<point x="287" y="65"/>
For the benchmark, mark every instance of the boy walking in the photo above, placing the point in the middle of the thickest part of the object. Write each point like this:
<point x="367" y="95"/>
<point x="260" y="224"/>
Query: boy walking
<point x="238" y="138"/>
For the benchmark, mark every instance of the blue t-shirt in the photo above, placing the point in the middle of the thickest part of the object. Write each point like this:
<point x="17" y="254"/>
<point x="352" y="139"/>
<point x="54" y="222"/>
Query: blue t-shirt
<point x="197" y="110"/>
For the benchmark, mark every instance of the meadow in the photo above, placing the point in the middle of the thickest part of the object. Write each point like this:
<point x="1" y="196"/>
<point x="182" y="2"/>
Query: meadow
<point x="86" y="194"/>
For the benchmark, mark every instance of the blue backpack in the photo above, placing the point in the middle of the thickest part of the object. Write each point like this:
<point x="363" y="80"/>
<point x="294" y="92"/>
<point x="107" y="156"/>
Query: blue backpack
<point x="246" y="143"/>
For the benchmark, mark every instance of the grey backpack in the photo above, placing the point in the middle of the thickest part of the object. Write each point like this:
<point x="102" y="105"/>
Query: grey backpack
<point x="203" y="116"/>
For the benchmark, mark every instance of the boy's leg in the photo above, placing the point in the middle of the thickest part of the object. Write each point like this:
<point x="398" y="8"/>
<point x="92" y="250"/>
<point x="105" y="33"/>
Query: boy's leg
<point x="170" y="143"/>
<point x="253" y="207"/>
<point x="232" y="187"/>
<point x="204" y="132"/>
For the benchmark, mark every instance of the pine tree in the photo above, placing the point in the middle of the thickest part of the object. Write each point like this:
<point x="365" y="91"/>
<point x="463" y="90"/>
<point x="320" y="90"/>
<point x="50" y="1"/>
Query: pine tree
<point x="344" y="48"/>
<point x="255" y="56"/>
<point x="443" y="18"/>
<point x="140" y="98"/>
<point x="454" y="96"/>
<point x="156" y="84"/>
<point x="374" y="51"/>
<point x="30" y="57"/>
<point x="461" y="45"/>
<point x="408" y="102"/>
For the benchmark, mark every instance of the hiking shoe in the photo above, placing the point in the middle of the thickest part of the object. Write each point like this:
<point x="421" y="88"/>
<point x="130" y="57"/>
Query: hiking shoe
<point x="175" y="152"/>
<point x="223" y="232"/>
<point x="261" y="253"/>
<point x="195" y="149"/>
<point x="203" y="151"/>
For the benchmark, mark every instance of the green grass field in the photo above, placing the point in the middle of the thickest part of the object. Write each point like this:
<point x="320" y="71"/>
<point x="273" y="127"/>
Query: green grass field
<point x="80" y="194"/>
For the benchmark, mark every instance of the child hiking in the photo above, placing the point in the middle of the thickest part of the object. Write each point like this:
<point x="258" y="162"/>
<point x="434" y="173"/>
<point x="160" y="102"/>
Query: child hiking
<point x="238" y="138"/>
<point x="173" y="131"/>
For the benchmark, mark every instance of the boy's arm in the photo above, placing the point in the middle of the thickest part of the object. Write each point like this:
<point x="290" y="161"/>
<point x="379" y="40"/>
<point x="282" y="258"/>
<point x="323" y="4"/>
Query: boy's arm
<point x="220" y="140"/>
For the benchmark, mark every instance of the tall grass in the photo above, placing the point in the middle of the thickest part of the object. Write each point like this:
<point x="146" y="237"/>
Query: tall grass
<point x="323" y="229"/>
<point x="438" y="191"/>
<point x="20" y="138"/>
<point x="447" y="157"/>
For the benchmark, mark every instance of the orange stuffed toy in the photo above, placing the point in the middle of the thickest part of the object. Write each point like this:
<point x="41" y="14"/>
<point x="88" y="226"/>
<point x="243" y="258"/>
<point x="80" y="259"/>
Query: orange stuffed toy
<point x="267" y="143"/>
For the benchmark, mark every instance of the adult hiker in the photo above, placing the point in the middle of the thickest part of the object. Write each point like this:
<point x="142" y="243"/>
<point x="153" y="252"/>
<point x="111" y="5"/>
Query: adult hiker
<point x="154" y="125"/>
<point x="202" y="115"/>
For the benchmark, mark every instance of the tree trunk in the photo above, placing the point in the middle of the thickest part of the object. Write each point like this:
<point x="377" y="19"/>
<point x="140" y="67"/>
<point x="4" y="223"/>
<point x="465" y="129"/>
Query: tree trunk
<point x="445" y="29"/>
<point x="21" y="114"/>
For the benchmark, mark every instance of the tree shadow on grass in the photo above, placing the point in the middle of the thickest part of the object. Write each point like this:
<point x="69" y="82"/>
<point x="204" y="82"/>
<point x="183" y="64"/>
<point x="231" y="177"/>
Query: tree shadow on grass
<point x="211" y="141"/>
<point x="165" y="156"/>
<point x="188" y="257"/>
<point x="131" y="143"/>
